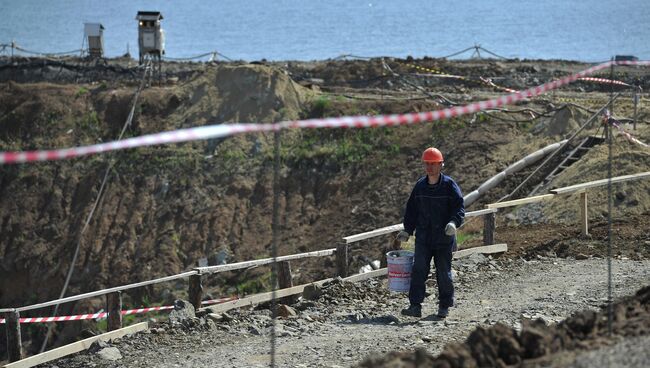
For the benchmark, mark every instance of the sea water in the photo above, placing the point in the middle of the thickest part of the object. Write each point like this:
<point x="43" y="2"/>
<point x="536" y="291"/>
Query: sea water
<point x="585" y="30"/>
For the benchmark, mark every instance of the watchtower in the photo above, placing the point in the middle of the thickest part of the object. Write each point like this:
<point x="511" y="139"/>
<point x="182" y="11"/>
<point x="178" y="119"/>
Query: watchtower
<point x="94" y="34"/>
<point x="151" y="37"/>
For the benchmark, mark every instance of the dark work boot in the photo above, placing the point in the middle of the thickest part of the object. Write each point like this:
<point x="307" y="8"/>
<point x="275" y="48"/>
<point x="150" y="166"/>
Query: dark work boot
<point x="443" y="312"/>
<point x="414" y="310"/>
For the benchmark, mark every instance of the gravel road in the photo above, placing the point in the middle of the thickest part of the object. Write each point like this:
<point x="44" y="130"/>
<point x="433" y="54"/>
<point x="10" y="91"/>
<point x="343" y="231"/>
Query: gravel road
<point x="351" y="322"/>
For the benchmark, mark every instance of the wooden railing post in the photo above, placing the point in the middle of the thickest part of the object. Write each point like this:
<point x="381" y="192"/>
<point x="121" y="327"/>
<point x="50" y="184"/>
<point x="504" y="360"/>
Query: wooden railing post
<point x="114" y="309"/>
<point x="584" y="213"/>
<point x="285" y="281"/>
<point x="14" y="344"/>
<point x="342" y="260"/>
<point x="284" y="275"/>
<point x="489" y="225"/>
<point x="195" y="292"/>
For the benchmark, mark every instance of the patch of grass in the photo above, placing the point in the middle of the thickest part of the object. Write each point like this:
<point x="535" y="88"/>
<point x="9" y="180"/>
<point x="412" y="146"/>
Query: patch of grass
<point x="320" y="106"/>
<point x="255" y="285"/>
<point x="342" y="146"/>
<point x="102" y="324"/>
<point x="482" y="117"/>
<point x="80" y="92"/>
<point x="462" y="237"/>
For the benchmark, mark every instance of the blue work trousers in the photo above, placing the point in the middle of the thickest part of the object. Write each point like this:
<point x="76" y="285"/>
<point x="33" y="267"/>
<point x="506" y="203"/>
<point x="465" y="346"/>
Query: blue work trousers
<point x="421" y="266"/>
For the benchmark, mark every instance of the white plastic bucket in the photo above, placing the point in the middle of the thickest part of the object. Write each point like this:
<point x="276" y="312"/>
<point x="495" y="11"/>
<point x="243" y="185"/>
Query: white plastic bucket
<point x="400" y="264"/>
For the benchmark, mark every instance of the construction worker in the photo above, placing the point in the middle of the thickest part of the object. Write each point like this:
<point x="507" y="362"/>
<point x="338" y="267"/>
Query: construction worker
<point x="434" y="211"/>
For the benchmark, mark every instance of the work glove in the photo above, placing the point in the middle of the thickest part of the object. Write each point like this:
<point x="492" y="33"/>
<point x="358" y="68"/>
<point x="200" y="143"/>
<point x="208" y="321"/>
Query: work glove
<point x="450" y="229"/>
<point x="403" y="236"/>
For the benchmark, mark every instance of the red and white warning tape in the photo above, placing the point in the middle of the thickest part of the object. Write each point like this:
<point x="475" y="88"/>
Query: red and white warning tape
<point x="603" y="80"/>
<point x="628" y="136"/>
<point x="101" y="315"/>
<point x="224" y="130"/>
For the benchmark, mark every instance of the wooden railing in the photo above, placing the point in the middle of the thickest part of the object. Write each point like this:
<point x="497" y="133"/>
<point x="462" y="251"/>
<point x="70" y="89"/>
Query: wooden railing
<point x="577" y="188"/>
<point x="114" y="298"/>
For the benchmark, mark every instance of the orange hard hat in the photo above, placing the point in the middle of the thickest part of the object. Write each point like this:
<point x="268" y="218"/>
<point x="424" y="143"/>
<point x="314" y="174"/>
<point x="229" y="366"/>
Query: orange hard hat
<point x="432" y="155"/>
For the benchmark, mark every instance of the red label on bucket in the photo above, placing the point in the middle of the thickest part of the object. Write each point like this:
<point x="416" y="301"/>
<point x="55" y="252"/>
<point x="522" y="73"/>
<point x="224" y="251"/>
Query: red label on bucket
<point x="399" y="274"/>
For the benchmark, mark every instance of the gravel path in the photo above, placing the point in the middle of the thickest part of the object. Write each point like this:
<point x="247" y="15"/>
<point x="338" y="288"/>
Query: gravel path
<point x="353" y="322"/>
<point x="627" y="353"/>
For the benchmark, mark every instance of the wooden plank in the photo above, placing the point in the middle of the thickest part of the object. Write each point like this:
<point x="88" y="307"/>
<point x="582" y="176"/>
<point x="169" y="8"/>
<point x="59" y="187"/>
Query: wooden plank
<point x="399" y="227"/>
<point x="516" y="202"/>
<point x="584" y="214"/>
<point x="256" y="299"/>
<point x="114" y="309"/>
<point x="601" y="182"/>
<point x="367" y="275"/>
<point x="259" y="262"/>
<point x="14" y="340"/>
<point x="487" y="249"/>
<point x="105" y="291"/>
<point x="373" y="233"/>
<point x="265" y="297"/>
<point x="285" y="281"/>
<point x="342" y="260"/>
<point x="195" y="291"/>
<point x="489" y="226"/>
<point x="481" y="212"/>
<point x="76" y="347"/>
<point x="284" y="275"/>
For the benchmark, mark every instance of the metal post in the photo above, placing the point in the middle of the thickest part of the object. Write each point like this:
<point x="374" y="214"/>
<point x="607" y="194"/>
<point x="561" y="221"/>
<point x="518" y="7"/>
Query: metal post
<point x="489" y="226"/>
<point x="159" y="70"/>
<point x="342" y="260"/>
<point x="14" y="344"/>
<point x="608" y="128"/>
<point x="275" y="239"/>
<point x="114" y="308"/>
<point x="195" y="292"/>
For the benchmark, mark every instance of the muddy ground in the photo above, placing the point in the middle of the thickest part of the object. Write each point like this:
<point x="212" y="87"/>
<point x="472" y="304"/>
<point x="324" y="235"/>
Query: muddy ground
<point x="166" y="208"/>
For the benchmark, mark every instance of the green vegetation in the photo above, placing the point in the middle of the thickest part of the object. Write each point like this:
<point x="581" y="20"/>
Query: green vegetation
<point x="102" y="325"/>
<point x="482" y="117"/>
<point x="320" y="106"/>
<point x="462" y="237"/>
<point x="341" y="146"/>
<point x="255" y="285"/>
<point x="80" y="92"/>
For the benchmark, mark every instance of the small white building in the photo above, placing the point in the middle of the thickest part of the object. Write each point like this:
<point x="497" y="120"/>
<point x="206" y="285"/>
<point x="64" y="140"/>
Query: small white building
<point x="151" y="37"/>
<point x="94" y="34"/>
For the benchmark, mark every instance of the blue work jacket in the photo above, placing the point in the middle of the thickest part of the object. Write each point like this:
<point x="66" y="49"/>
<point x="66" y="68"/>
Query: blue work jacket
<point x="430" y="208"/>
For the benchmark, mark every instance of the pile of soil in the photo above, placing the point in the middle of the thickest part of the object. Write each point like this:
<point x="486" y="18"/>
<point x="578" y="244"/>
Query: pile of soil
<point x="537" y="344"/>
